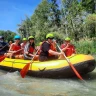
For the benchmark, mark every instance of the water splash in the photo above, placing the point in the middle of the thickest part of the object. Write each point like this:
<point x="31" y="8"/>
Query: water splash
<point x="11" y="84"/>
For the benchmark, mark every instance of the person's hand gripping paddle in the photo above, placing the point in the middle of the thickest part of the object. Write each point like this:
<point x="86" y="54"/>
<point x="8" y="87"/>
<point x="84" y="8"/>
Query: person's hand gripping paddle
<point x="25" y="69"/>
<point x="73" y="68"/>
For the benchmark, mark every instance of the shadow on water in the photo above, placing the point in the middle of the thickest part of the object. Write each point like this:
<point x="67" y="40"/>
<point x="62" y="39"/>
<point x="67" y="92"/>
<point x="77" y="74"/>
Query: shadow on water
<point x="90" y="76"/>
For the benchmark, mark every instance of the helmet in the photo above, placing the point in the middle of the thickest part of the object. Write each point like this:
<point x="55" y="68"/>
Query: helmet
<point x="67" y="39"/>
<point x="24" y="39"/>
<point x="30" y="37"/>
<point x="1" y="37"/>
<point x="17" y="37"/>
<point x="50" y="35"/>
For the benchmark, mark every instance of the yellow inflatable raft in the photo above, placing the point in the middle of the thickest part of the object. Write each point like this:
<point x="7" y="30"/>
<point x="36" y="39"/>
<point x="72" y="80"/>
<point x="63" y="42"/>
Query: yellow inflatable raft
<point x="54" y="68"/>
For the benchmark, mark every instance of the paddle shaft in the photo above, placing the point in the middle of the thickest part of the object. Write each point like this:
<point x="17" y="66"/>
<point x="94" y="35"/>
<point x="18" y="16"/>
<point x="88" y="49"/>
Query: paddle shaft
<point x="32" y="60"/>
<point x="25" y="69"/>
<point x="2" y="58"/>
<point x="3" y="47"/>
<point x="73" y="68"/>
<point x="17" y="51"/>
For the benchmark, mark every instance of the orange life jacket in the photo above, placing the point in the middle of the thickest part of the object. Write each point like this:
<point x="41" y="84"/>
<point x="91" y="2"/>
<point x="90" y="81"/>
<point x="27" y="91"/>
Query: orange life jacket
<point x="52" y="47"/>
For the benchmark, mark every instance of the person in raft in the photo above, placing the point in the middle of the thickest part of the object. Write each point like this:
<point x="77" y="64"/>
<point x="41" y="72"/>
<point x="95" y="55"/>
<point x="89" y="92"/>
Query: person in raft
<point x="10" y="42"/>
<point x="24" y="42"/>
<point x="15" y="49"/>
<point x="4" y="47"/>
<point x="48" y="51"/>
<point x="67" y="47"/>
<point x="30" y="49"/>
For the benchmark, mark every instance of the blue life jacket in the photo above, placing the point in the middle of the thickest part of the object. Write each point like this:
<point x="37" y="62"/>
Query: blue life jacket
<point x="3" y="48"/>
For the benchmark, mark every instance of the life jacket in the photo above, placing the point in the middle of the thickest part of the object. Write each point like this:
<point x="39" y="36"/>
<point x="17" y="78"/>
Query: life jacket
<point x="69" y="51"/>
<point x="40" y="49"/>
<point x="16" y="48"/>
<point x="31" y="49"/>
<point x="52" y="47"/>
<point x="4" y="47"/>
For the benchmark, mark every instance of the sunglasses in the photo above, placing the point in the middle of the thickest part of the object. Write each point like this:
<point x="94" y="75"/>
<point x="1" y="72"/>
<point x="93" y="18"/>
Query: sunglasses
<point x="51" y="38"/>
<point x="31" y="39"/>
<point x="17" y="39"/>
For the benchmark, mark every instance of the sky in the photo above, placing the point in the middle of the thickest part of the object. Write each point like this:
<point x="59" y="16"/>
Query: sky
<point x="12" y="12"/>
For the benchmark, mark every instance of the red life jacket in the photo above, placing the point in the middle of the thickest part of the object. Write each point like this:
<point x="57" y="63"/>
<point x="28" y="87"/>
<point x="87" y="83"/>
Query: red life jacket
<point x="69" y="51"/>
<point x="31" y="49"/>
<point x="16" y="48"/>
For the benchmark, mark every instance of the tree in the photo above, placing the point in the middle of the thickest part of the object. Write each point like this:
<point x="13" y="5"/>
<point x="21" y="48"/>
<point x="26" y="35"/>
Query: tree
<point x="90" y="24"/>
<point x="54" y="13"/>
<point x="24" y="27"/>
<point x="89" y="5"/>
<point x="71" y="18"/>
<point x="40" y="20"/>
<point x="8" y="35"/>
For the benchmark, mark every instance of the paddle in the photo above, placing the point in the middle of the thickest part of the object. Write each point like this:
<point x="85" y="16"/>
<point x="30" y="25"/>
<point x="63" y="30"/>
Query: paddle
<point x="73" y="68"/>
<point x="2" y="58"/>
<point x="25" y="69"/>
<point x="17" y="51"/>
<point x="3" y="47"/>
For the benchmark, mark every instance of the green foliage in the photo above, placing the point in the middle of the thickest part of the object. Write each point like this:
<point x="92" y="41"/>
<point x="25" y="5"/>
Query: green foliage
<point x="66" y="18"/>
<point x="90" y="25"/>
<point x="86" y="46"/>
<point x="25" y="27"/>
<point x="54" y="13"/>
<point x="89" y="5"/>
<point x="8" y="35"/>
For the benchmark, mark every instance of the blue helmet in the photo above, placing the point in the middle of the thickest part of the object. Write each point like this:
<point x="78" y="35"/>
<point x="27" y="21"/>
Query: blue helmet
<point x="17" y="37"/>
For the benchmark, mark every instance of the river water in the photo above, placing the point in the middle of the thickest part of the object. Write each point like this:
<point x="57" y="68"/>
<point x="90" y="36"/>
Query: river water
<point x="11" y="84"/>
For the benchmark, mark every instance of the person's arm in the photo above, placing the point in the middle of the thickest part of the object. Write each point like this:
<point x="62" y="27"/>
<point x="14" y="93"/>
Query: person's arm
<point x="66" y="46"/>
<point x="47" y="48"/>
<point x="54" y="52"/>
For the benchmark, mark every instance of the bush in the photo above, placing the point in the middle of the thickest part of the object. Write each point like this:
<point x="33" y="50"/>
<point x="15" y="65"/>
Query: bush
<point x="86" y="46"/>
